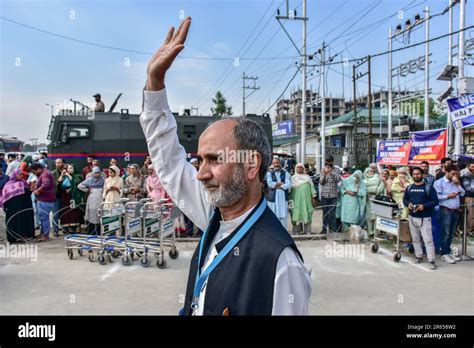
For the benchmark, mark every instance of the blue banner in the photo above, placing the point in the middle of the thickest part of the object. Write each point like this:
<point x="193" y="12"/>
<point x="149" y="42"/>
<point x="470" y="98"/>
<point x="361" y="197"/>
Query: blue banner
<point x="283" y="129"/>
<point x="461" y="111"/>
<point x="393" y="152"/>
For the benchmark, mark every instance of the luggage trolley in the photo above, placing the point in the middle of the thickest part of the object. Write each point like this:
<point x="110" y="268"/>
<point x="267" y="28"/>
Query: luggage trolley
<point x="158" y="222"/>
<point x="387" y="220"/>
<point x="110" y="231"/>
<point x="132" y="243"/>
<point x="91" y="243"/>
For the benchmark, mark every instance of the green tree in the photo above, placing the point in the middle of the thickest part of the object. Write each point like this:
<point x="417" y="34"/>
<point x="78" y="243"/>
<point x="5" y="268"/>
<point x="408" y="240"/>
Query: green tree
<point x="221" y="108"/>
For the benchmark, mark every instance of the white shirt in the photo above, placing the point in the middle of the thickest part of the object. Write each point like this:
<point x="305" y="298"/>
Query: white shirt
<point x="12" y="166"/>
<point x="292" y="284"/>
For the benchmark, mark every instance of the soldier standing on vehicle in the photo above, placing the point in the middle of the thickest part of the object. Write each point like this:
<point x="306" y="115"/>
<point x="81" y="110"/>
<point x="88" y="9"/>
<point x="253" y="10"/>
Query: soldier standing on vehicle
<point x="99" y="106"/>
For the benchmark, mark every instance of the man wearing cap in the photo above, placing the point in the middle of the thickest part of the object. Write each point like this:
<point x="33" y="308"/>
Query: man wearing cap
<point x="99" y="106"/>
<point x="195" y="162"/>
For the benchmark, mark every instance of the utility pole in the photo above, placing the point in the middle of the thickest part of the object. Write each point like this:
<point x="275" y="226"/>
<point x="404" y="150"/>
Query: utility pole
<point x="370" y="108"/>
<point x="389" y="125"/>
<point x="427" y="70"/>
<point x="244" y="87"/>
<point x="355" y="77"/>
<point x="450" y="62"/>
<point x="34" y="143"/>
<point x="323" y="107"/>
<point x="303" y="99"/>
<point x="354" y="133"/>
<point x="462" y="22"/>
<point x="399" y="30"/>
<point x="292" y="15"/>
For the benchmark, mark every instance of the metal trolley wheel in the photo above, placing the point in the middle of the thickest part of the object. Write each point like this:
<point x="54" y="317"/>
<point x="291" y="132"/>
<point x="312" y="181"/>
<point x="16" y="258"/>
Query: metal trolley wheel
<point x="127" y="259"/>
<point x="374" y="247"/>
<point x="102" y="259"/>
<point x="161" y="263"/>
<point x="79" y="251"/>
<point x="173" y="253"/>
<point x="91" y="256"/>
<point x="396" y="256"/>
<point x="145" y="261"/>
<point x="70" y="254"/>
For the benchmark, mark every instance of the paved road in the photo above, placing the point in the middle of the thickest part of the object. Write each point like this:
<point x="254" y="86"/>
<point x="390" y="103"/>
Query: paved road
<point x="347" y="279"/>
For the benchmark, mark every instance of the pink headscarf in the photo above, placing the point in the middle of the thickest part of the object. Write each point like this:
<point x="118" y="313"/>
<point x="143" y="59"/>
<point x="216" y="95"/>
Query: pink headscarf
<point x="14" y="187"/>
<point x="153" y="181"/>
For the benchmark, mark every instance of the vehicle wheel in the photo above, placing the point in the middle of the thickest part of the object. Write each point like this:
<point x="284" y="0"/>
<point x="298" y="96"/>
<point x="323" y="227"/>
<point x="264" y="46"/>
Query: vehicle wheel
<point x="161" y="264"/>
<point x="174" y="253"/>
<point x="91" y="257"/>
<point x="145" y="261"/>
<point x="102" y="260"/>
<point x="126" y="260"/>
<point x="374" y="247"/>
<point x="396" y="256"/>
<point x="80" y="252"/>
<point x="115" y="254"/>
<point x="70" y="254"/>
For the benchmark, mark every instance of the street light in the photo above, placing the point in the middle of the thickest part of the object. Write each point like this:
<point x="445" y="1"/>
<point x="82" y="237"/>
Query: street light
<point x="52" y="107"/>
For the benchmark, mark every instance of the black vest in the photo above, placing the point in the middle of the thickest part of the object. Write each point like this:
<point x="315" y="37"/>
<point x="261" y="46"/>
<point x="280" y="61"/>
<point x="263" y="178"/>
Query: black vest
<point x="243" y="281"/>
<point x="272" y="191"/>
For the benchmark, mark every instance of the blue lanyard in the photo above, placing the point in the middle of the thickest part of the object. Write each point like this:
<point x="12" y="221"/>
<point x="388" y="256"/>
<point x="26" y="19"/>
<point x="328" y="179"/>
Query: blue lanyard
<point x="201" y="278"/>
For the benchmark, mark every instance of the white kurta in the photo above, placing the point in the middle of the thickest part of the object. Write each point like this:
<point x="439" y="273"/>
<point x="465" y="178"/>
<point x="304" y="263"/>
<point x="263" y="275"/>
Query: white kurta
<point x="292" y="284"/>
<point x="280" y="206"/>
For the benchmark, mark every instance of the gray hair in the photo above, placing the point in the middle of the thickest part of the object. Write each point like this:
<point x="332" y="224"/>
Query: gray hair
<point x="251" y="136"/>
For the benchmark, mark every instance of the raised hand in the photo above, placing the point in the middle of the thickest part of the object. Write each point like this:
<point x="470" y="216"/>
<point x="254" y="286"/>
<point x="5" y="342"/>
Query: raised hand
<point x="166" y="54"/>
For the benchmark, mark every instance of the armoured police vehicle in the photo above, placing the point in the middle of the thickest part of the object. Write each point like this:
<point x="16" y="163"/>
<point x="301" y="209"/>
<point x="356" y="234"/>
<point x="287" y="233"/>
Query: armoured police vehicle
<point x="76" y="133"/>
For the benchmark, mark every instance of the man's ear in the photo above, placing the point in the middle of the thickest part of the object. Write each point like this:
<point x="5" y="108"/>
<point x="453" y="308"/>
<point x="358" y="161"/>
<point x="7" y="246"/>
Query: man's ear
<point x="255" y="161"/>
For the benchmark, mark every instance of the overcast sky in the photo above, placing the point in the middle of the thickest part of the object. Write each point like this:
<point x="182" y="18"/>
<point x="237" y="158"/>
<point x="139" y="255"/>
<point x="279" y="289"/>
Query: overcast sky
<point x="38" y="67"/>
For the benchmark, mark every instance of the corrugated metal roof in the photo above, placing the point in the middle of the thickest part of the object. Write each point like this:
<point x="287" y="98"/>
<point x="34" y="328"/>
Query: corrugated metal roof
<point x="376" y="114"/>
<point x="285" y="140"/>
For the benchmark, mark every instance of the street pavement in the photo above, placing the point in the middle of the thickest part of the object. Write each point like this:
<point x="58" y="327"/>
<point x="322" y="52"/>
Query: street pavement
<point x="346" y="279"/>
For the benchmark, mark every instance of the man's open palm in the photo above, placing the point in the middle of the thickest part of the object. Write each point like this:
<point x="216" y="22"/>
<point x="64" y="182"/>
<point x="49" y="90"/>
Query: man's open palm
<point x="164" y="57"/>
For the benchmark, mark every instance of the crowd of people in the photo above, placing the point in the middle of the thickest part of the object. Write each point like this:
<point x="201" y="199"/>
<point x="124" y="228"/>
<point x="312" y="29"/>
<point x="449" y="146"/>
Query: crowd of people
<point x="345" y="196"/>
<point x="30" y="192"/>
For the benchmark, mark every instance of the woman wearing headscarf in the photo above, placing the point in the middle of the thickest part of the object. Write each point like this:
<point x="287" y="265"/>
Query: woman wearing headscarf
<point x="94" y="184"/>
<point x="31" y="181"/>
<point x="374" y="186"/>
<point x="25" y="166"/>
<point x="372" y="167"/>
<point x="303" y="196"/>
<point x="353" y="196"/>
<point x="18" y="209"/>
<point x="155" y="190"/>
<point x="385" y="177"/>
<point x="71" y="199"/>
<point x="3" y="180"/>
<point x="134" y="187"/>
<point x="113" y="186"/>
<point x="399" y="185"/>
